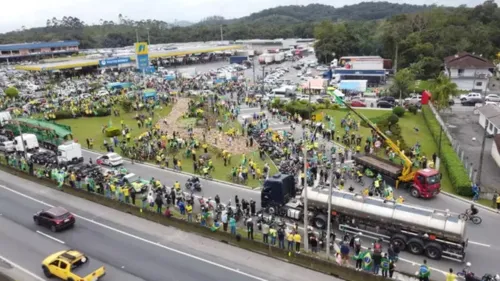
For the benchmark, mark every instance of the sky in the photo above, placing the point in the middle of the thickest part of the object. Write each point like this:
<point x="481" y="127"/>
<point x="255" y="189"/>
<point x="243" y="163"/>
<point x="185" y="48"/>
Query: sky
<point x="33" y="13"/>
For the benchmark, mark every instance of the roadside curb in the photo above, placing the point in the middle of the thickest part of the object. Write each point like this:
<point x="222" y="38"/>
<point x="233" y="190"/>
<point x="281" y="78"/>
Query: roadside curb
<point x="470" y="202"/>
<point x="177" y="171"/>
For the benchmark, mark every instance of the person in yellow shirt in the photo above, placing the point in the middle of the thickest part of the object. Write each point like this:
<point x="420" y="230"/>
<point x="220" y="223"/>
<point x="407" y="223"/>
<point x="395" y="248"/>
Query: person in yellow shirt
<point x="126" y="194"/>
<point x="289" y="238"/>
<point x="297" y="239"/>
<point x="112" y="187"/>
<point x="189" y="212"/>
<point x="451" y="276"/>
<point x="179" y="165"/>
<point x="400" y="200"/>
<point x="177" y="185"/>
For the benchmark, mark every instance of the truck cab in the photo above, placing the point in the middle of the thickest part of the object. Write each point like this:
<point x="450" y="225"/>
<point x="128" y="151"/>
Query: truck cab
<point x="277" y="191"/>
<point x="30" y="143"/>
<point x="69" y="153"/>
<point x="426" y="183"/>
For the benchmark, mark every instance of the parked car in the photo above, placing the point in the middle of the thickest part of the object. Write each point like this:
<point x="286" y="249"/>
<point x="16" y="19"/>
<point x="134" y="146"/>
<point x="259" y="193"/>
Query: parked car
<point x="387" y="99"/>
<point x="472" y="101"/>
<point x="492" y="97"/>
<point x="55" y="218"/>
<point x="358" y="103"/>
<point x="385" y="104"/>
<point x="470" y="96"/>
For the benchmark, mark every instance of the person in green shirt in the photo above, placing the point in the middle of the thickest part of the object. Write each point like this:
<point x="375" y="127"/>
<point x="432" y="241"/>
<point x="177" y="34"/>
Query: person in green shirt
<point x="424" y="272"/>
<point x="385" y="265"/>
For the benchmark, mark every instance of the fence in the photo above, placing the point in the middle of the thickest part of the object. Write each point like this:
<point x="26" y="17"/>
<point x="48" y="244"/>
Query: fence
<point x="469" y="166"/>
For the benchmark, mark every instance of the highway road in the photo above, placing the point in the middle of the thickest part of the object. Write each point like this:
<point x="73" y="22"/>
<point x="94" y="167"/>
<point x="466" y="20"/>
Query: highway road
<point x="129" y="247"/>
<point x="482" y="245"/>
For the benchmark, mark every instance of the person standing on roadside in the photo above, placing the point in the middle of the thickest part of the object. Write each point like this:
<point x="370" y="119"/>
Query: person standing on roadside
<point x="265" y="233"/>
<point x="385" y="265"/>
<point x="424" y="272"/>
<point x="232" y="225"/>
<point x="450" y="276"/>
<point x="250" y="229"/>
<point x="189" y="211"/>
<point x="281" y="238"/>
<point x="297" y="239"/>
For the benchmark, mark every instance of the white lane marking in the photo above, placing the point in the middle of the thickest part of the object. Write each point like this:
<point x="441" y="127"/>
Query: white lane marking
<point x="50" y="237"/>
<point x="151" y="166"/>
<point x="36" y="277"/>
<point x="139" y="238"/>
<point x="479" y="244"/>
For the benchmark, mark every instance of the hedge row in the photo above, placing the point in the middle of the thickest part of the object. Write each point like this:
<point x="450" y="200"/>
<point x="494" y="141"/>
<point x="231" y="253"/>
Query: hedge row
<point x="449" y="158"/>
<point x="67" y="114"/>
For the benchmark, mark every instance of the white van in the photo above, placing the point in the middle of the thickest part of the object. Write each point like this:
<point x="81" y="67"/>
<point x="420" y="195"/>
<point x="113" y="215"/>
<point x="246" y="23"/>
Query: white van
<point x="7" y="146"/>
<point x="30" y="143"/>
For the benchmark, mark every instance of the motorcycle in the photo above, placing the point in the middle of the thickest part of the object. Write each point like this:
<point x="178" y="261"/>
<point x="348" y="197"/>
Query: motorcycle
<point x="193" y="184"/>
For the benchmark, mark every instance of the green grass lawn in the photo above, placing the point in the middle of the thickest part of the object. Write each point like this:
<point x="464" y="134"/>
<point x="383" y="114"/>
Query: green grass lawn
<point x="91" y="127"/>
<point x="407" y="123"/>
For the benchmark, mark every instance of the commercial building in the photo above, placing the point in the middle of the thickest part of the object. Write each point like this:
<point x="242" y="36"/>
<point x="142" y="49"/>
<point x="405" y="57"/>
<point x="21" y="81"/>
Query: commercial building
<point x="468" y="71"/>
<point x="37" y="50"/>
<point x="121" y="61"/>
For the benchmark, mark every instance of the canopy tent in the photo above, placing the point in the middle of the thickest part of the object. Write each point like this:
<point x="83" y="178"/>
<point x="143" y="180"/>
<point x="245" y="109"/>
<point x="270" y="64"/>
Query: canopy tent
<point x="149" y="94"/>
<point x="119" y="85"/>
<point x="314" y="84"/>
<point x="353" y="85"/>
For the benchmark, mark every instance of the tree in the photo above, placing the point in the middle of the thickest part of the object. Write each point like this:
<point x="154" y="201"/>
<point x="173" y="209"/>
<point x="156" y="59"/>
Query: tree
<point x="403" y="82"/>
<point x="333" y="40"/>
<point x="11" y="92"/>
<point x="442" y="90"/>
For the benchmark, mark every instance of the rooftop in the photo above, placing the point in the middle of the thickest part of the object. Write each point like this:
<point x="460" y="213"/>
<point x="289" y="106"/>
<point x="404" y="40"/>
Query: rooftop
<point x="467" y="60"/>
<point x="492" y="113"/>
<point x="37" y="45"/>
<point x="84" y="62"/>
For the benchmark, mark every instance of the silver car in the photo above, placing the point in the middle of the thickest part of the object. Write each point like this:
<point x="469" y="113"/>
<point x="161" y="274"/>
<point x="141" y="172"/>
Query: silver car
<point x="492" y="97"/>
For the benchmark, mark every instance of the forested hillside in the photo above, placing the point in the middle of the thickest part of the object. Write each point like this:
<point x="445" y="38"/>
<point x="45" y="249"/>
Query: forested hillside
<point x="279" y="22"/>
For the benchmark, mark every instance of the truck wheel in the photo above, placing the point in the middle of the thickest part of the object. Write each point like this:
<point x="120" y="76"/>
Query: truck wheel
<point x="320" y="221"/>
<point x="70" y="279"/>
<point x="433" y="250"/>
<point x="415" y="246"/>
<point x="414" y="192"/>
<point x="46" y="272"/>
<point x="400" y="240"/>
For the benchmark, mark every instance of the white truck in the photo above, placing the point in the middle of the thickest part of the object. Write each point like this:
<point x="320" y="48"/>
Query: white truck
<point x="30" y="143"/>
<point x="421" y="231"/>
<point x="269" y="58"/>
<point x="279" y="57"/>
<point x="69" y="153"/>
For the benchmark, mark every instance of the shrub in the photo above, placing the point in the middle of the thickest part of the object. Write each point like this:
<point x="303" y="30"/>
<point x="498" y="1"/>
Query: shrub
<point x="413" y="109"/>
<point x="65" y="114"/>
<point x="458" y="174"/>
<point x="304" y="109"/>
<point x="393" y="119"/>
<point x="398" y="111"/>
<point x="335" y="106"/>
<point x="112" y="132"/>
<point x="376" y="120"/>
<point x="126" y="105"/>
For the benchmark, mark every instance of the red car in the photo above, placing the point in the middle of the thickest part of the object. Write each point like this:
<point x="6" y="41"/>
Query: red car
<point x="56" y="218"/>
<point x="358" y="103"/>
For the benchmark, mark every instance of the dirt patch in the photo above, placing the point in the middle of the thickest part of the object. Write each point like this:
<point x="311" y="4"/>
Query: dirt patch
<point x="213" y="137"/>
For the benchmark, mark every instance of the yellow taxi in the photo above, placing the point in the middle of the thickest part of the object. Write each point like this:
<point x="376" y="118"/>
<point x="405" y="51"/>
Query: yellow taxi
<point x="71" y="265"/>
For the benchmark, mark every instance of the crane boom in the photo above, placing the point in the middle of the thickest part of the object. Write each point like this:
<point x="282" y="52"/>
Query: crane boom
<point x="407" y="174"/>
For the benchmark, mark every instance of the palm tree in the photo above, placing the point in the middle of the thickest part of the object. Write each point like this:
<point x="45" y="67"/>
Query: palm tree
<point x="442" y="89"/>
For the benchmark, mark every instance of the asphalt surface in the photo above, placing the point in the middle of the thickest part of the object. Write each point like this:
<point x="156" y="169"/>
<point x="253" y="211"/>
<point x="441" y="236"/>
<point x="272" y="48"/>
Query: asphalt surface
<point x="130" y="248"/>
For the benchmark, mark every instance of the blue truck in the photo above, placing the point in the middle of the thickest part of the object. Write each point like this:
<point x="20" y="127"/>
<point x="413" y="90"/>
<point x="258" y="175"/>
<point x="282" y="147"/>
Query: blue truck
<point x="237" y="59"/>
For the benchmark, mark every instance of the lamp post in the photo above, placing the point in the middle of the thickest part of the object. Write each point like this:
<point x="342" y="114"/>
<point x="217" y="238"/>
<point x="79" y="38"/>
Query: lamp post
<point x="306" y="211"/>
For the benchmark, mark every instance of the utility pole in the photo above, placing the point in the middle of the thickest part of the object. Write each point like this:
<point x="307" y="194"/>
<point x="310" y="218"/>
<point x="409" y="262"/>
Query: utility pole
<point x="22" y="140"/>
<point x="310" y="94"/>
<point x="137" y="36"/>
<point x="149" y="42"/>
<point x="306" y="211"/>
<point x="253" y="68"/>
<point x="328" y="227"/>
<point x="221" y="34"/>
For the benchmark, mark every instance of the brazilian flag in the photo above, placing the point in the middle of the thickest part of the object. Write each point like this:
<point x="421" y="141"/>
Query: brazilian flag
<point x="367" y="261"/>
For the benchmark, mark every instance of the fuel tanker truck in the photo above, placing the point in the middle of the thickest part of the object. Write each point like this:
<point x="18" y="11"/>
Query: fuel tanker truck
<point x="418" y="230"/>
